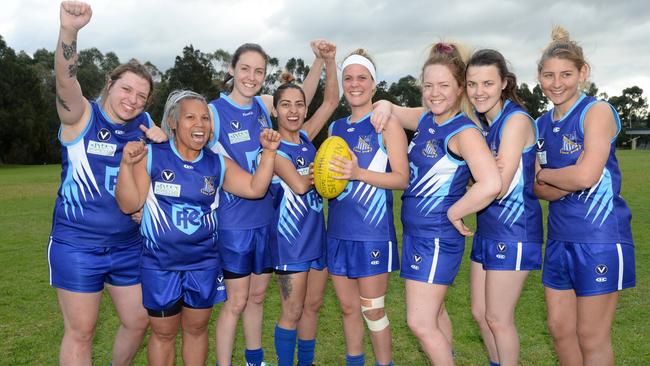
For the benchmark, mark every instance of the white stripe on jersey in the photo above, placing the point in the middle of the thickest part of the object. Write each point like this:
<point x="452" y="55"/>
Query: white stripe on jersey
<point x="620" y="265"/>
<point x="434" y="263"/>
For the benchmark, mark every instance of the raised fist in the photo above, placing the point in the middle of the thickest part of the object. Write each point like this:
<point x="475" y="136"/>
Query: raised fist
<point x="75" y="15"/>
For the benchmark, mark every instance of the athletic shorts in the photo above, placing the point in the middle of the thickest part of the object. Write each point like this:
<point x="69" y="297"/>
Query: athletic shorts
<point x="197" y="289"/>
<point x="356" y="259"/>
<point x="245" y="251"/>
<point x="81" y="268"/>
<point x="318" y="264"/>
<point x="589" y="269"/>
<point x="431" y="260"/>
<point x="506" y="255"/>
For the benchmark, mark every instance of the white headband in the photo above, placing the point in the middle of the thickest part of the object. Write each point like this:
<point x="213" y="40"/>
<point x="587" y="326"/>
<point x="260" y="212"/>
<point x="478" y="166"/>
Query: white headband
<point x="360" y="60"/>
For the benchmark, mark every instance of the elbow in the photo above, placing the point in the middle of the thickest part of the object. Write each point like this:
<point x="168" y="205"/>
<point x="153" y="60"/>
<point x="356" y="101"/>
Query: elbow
<point x="403" y="182"/>
<point x="493" y="187"/>
<point x="302" y="189"/>
<point x="586" y="180"/>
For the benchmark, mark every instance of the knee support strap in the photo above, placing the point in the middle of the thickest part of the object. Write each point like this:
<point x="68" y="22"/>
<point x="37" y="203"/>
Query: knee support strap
<point x="376" y="303"/>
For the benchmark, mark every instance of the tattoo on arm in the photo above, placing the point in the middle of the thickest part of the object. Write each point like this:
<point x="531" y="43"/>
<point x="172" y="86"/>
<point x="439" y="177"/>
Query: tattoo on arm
<point x="69" y="50"/>
<point x="72" y="70"/>
<point x="285" y="285"/>
<point x="62" y="103"/>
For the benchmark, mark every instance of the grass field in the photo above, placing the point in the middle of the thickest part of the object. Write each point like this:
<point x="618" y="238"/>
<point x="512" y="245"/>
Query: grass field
<point x="31" y="325"/>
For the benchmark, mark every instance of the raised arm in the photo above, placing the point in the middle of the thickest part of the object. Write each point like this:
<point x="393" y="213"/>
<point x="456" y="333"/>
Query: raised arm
<point x="132" y="181"/>
<point x="331" y="95"/>
<point x="599" y="128"/>
<point x="240" y="183"/>
<point x="470" y="145"/>
<point x="397" y="178"/>
<point x="72" y="107"/>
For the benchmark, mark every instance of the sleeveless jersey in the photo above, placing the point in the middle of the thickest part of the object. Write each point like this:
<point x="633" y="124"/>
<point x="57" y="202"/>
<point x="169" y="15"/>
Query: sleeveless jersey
<point x="594" y="215"/>
<point x="85" y="212"/>
<point x="237" y="136"/>
<point x="179" y="222"/>
<point x="362" y="212"/>
<point x="437" y="179"/>
<point x="298" y="233"/>
<point x="517" y="216"/>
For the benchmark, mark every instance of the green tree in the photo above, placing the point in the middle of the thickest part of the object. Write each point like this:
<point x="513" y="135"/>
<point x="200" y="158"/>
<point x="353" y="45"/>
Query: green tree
<point x="632" y="107"/>
<point x="535" y="101"/>
<point x="406" y="92"/>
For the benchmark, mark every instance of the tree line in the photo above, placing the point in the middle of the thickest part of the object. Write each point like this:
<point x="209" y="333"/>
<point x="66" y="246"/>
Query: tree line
<point x="29" y="122"/>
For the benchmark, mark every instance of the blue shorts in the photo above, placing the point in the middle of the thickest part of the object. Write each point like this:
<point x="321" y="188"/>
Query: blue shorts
<point x="318" y="264"/>
<point x="356" y="259"/>
<point x="431" y="260"/>
<point x="86" y="268"/>
<point x="198" y="289"/>
<point x="589" y="269"/>
<point x="245" y="251"/>
<point x="506" y="255"/>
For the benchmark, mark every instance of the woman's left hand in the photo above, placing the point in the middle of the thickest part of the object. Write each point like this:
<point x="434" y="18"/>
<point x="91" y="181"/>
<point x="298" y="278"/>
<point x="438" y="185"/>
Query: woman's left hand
<point x="348" y="169"/>
<point x="155" y="133"/>
<point x="270" y="139"/>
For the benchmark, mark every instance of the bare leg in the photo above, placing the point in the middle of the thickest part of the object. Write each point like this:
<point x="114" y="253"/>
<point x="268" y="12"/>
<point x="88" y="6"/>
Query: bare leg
<point x="370" y="288"/>
<point x="134" y="322"/>
<point x="595" y="317"/>
<point x="237" y="290"/>
<point x="292" y="294"/>
<point x="195" y="335"/>
<point x="253" y="315"/>
<point x="477" y="276"/>
<point x="80" y="312"/>
<point x="347" y="291"/>
<point x="562" y="310"/>
<point x="161" y="348"/>
<point x="316" y="282"/>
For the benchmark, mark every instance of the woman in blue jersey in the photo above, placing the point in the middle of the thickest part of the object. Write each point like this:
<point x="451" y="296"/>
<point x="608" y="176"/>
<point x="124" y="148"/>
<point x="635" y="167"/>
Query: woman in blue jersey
<point x="508" y="240"/>
<point x="447" y="148"/>
<point x="84" y="252"/>
<point x="298" y="237"/>
<point x="244" y="224"/>
<point x="178" y="184"/>
<point x="361" y="242"/>
<point x="589" y="252"/>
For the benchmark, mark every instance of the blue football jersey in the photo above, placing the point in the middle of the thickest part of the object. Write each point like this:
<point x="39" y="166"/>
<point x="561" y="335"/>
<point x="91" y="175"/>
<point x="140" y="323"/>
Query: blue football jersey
<point x="517" y="216"/>
<point x="85" y="212"/>
<point x="362" y="212"/>
<point x="594" y="215"/>
<point x="437" y="179"/>
<point x="237" y="136"/>
<point x="298" y="233"/>
<point x="179" y="221"/>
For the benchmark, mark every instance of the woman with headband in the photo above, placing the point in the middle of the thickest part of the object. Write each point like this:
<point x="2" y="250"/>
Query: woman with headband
<point x="361" y="241"/>
<point x="447" y="148"/>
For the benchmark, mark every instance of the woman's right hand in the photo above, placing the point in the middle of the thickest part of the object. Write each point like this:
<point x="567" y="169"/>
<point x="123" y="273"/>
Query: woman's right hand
<point x="381" y="112"/>
<point x="75" y="15"/>
<point x="134" y="152"/>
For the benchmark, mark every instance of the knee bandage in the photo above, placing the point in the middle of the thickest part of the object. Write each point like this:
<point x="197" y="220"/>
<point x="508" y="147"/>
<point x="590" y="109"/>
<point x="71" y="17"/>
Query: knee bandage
<point x="376" y="303"/>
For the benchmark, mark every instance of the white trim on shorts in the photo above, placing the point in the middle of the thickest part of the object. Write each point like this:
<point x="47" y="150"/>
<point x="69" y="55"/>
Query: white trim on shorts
<point x="434" y="262"/>
<point x="621" y="266"/>
<point x="520" y="250"/>
<point x="390" y="256"/>
<point x="49" y="262"/>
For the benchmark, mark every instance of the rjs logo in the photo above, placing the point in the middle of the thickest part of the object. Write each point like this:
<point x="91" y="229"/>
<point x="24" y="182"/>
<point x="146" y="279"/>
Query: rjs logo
<point x="186" y="218"/>
<point x="375" y="253"/>
<point x="601" y="269"/>
<point x="501" y="247"/>
<point x="300" y="161"/>
<point x="235" y="125"/>
<point x="168" y="175"/>
<point x="103" y="134"/>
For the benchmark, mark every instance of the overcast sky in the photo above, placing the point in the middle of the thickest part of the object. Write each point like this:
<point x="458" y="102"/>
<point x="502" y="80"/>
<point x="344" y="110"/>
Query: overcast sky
<point x="615" y="35"/>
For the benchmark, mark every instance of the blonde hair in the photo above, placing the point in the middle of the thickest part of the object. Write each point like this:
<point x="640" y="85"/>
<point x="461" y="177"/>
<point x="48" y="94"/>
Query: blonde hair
<point x="562" y="47"/>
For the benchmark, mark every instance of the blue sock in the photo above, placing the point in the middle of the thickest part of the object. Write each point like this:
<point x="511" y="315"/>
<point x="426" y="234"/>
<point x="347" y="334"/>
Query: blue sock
<point x="254" y="357"/>
<point x="358" y="360"/>
<point x="285" y="345"/>
<point x="306" y="351"/>
<point x="388" y="364"/>
<point x="492" y="363"/>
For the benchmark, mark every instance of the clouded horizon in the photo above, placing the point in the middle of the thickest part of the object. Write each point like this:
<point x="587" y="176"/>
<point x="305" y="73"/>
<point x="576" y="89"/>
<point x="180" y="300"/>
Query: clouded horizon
<point x="615" y="37"/>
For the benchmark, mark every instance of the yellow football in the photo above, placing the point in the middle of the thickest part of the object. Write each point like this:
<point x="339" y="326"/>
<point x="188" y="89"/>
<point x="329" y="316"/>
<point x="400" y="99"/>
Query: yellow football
<point x="324" y="181"/>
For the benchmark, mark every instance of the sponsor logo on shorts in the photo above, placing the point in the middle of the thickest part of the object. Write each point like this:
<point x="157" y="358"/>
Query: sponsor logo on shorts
<point x="501" y="247"/>
<point x="168" y="175"/>
<point x="417" y="259"/>
<point x="375" y="254"/>
<point x="600" y="270"/>
<point x="104" y="134"/>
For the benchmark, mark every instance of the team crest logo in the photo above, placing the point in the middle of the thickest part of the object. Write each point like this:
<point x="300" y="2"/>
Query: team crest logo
<point x="208" y="186"/>
<point x="601" y="269"/>
<point x="501" y="247"/>
<point x="262" y="121"/>
<point x="103" y="134"/>
<point x="569" y="144"/>
<point x="186" y="218"/>
<point x="300" y="161"/>
<point x="375" y="253"/>
<point x="430" y="149"/>
<point x="363" y="145"/>
<point x="540" y="144"/>
<point x="235" y="125"/>
<point x="168" y="175"/>
<point x="417" y="258"/>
